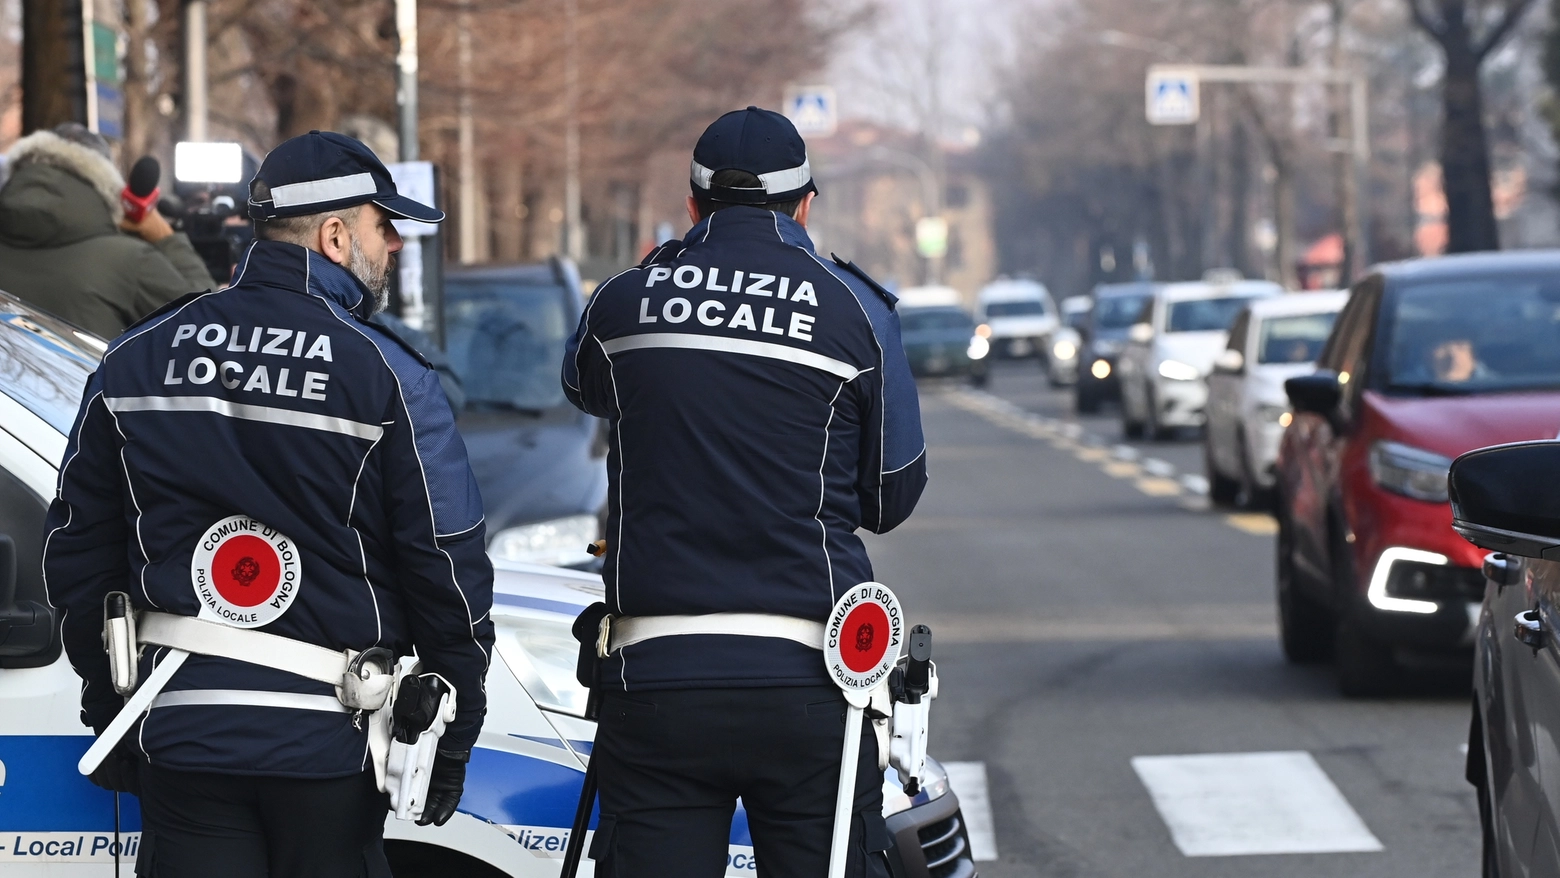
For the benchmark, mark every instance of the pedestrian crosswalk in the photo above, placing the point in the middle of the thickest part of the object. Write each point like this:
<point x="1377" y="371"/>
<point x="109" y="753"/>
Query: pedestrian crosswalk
<point x="1233" y="804"/>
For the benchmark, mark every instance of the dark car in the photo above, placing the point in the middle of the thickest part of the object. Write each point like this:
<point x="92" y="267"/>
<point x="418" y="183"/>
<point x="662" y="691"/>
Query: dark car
<point x="940" y="340"/>
<point x="1503" y="498"/>
<point x="1429" y="359"/>
<point x="1116" y="308"/>
<point x="540" y="463"/>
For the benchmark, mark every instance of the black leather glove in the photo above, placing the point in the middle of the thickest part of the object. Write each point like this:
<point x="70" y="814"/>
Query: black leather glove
<point x="446" y="781"/>
<point x="120" y="771"/>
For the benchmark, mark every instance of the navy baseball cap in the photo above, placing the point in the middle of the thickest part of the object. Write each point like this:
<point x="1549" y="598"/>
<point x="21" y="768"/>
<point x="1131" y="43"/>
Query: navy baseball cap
<point x="761" y="142"/>
<point x="323" y="171"/>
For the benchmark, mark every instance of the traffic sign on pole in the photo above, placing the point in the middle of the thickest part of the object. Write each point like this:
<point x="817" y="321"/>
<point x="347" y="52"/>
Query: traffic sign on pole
<point x="1172" y="96"/>
<point x="812" y="109"/>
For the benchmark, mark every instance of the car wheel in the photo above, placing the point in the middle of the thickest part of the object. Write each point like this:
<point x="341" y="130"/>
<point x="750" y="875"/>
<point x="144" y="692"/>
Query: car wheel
<point x="1366" y="668"/>
<point x="1255" y="496"/>
<point x="1153" y="430"/>
<point x="1087" y="402"/>
<point x="981" y="378"/>
<point x="1305" y="627"/>
<point x="1222" y="490"/>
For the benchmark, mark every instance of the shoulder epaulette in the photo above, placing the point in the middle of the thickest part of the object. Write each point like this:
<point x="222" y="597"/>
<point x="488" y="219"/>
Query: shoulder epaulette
<point x="664" y="253"/>
<point x="855" y="269"/>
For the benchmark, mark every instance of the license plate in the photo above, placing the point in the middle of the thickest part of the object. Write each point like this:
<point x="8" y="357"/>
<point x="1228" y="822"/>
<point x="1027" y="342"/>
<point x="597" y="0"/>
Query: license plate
<point x="936" y="364"/>
<point x="1019" y="347"/>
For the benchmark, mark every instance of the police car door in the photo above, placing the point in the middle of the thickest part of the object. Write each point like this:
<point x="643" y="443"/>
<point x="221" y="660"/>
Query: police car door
<point x="53" y="821"/>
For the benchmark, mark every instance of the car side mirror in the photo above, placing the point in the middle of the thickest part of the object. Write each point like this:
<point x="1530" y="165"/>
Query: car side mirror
<point x="26" y="627"/>
<point x="1317" y="393"/>
<point x="1230" y="362"/>
<point x="1503" y="498"/>
<point x="1142" y="333"/>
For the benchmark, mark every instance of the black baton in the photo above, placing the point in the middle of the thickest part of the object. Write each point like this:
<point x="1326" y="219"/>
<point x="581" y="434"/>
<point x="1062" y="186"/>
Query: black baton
<point x="587" y="628"/>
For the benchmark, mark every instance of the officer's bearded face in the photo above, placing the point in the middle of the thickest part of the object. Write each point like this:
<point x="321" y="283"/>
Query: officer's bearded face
<point x="375" y="276"/>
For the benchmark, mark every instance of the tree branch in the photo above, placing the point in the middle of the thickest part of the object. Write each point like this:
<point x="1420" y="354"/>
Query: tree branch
<point x="1515" y="9"/>
<point x="1423" y="20"/>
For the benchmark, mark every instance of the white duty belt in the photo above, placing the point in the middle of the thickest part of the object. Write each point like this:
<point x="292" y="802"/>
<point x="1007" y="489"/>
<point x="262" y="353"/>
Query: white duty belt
<point x="245" y="645"/>
<point x="620" y="631"/>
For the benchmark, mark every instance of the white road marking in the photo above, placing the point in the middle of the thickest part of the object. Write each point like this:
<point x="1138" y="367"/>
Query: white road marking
<point x="1156" y="467"/>
<point x="1463" y="748"/>
<point x="968" y="780"/>
<point x="1234" y="804"/>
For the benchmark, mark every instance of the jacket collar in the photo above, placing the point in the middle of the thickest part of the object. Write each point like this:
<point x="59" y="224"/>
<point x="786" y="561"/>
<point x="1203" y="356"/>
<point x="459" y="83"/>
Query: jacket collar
<point x="292" y="267"/>
<point x="742" y="223"/>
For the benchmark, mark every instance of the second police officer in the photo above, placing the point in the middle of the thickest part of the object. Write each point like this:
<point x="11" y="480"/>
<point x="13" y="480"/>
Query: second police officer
<point x="763" y="411"/>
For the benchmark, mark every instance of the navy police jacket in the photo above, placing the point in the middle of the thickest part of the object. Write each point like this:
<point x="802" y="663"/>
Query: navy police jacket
<point x="763" y="410"/>
<point x="263" y="457"/>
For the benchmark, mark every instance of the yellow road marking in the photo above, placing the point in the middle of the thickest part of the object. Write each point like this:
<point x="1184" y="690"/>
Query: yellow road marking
<point x="1154" y="486"/>
<point x="1121" y="469"/>
<point x="1256" y="523"/>
<point x="1092" y="455"/>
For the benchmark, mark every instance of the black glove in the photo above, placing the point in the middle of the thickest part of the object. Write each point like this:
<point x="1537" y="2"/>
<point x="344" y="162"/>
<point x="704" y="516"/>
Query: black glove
<point x="446" y="781"/>
<point x="120" y="771"/>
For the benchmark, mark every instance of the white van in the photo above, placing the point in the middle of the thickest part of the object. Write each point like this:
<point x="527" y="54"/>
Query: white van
<point x="526" y="770"/>
<point x="1019" y="316"/>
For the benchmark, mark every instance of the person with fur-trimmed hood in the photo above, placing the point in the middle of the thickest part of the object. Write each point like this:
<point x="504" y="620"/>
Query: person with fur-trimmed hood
<point x="66" y="247"/>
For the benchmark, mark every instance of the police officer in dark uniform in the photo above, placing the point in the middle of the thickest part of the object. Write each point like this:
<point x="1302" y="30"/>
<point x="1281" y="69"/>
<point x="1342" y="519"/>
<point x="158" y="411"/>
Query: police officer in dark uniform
<point x="262" y="461"/>
<point x="763" y="411"/>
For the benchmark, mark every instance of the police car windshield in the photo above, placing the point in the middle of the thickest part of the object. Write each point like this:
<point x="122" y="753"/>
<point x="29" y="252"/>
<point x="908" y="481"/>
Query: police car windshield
<point x="506" y="338"/>
<point x="40" y="368"/>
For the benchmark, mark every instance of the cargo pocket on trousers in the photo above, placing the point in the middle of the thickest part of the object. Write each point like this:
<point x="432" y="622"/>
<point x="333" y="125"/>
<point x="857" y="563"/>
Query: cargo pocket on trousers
<point x="874" y="845"/>
<point x="602" y="845"/>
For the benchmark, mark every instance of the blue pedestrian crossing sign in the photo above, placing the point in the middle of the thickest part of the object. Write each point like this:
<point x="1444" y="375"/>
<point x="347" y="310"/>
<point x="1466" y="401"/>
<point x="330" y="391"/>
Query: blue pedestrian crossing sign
<point x="812" y="109"/>
<point x="1172" y="96"/>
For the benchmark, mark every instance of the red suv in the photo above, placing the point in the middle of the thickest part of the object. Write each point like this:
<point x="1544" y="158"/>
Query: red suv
<point x="1429" y="359"/>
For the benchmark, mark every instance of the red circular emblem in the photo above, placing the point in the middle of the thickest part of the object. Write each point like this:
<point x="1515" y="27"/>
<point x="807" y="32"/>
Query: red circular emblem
<point x="864" y="637"/>
<point x="246" y="570"/>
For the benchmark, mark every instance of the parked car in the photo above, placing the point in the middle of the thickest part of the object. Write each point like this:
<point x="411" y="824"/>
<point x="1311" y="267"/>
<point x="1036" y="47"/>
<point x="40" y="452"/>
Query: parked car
<point x="940" y="337"/>
<point x="540" y="462"/>
<point x="525" y="773"/>
<point x="1115" y="309"/>
<point x="1429" y="359"/>
<point x="1271" y="340"/>
<point x="1065" y="343"/>
<point x="1170" y="351"/>
<point x="1019" y="313"/>
<point x="1502" y="498"/>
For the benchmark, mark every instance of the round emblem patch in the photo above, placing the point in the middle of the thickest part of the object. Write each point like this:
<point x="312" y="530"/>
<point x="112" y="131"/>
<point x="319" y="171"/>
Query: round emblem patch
<point x="246" y="574"/>
<point x="862" y="637"/>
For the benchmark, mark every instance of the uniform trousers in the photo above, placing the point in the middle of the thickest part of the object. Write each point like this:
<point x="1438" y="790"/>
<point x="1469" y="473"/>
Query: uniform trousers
<point x="203" y="825"/>
<point x="674" y="762"/>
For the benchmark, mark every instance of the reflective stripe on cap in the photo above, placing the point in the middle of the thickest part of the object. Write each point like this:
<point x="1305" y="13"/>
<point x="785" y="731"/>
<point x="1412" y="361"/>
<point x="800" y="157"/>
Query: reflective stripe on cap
<point x="772" y="183"/>
<point x="323" y="191"/>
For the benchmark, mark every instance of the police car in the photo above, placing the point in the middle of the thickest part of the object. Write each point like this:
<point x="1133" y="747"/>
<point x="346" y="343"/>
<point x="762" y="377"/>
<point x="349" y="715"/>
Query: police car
<point x="524" y="779"/>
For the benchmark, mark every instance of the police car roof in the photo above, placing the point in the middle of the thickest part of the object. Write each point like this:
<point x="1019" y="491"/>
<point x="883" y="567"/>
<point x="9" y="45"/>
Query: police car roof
<point x="1012" y="291"/>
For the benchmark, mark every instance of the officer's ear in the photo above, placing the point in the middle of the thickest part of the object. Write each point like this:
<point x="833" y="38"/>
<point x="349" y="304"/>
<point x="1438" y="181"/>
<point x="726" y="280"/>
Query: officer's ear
<point x="693" y="210"/>
<point x="803" y="209"/>
<point x="335" y="240"/>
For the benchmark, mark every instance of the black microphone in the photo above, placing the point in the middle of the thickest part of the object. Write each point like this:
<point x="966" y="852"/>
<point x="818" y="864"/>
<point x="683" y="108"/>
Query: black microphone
<point x="140" y="195"/>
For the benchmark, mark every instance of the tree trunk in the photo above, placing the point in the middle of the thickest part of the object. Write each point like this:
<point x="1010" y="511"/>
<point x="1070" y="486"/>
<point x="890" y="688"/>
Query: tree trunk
<point x="1465" y="151"/>
<point x="138" y="97"/>
<point x="53" y="71"/>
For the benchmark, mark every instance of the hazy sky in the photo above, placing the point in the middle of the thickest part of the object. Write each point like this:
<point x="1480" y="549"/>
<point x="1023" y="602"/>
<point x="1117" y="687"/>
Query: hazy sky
<point x="881" y="72"/>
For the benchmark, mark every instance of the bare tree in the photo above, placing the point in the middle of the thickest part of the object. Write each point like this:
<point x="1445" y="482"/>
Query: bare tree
<point x="1467" y="32"/>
